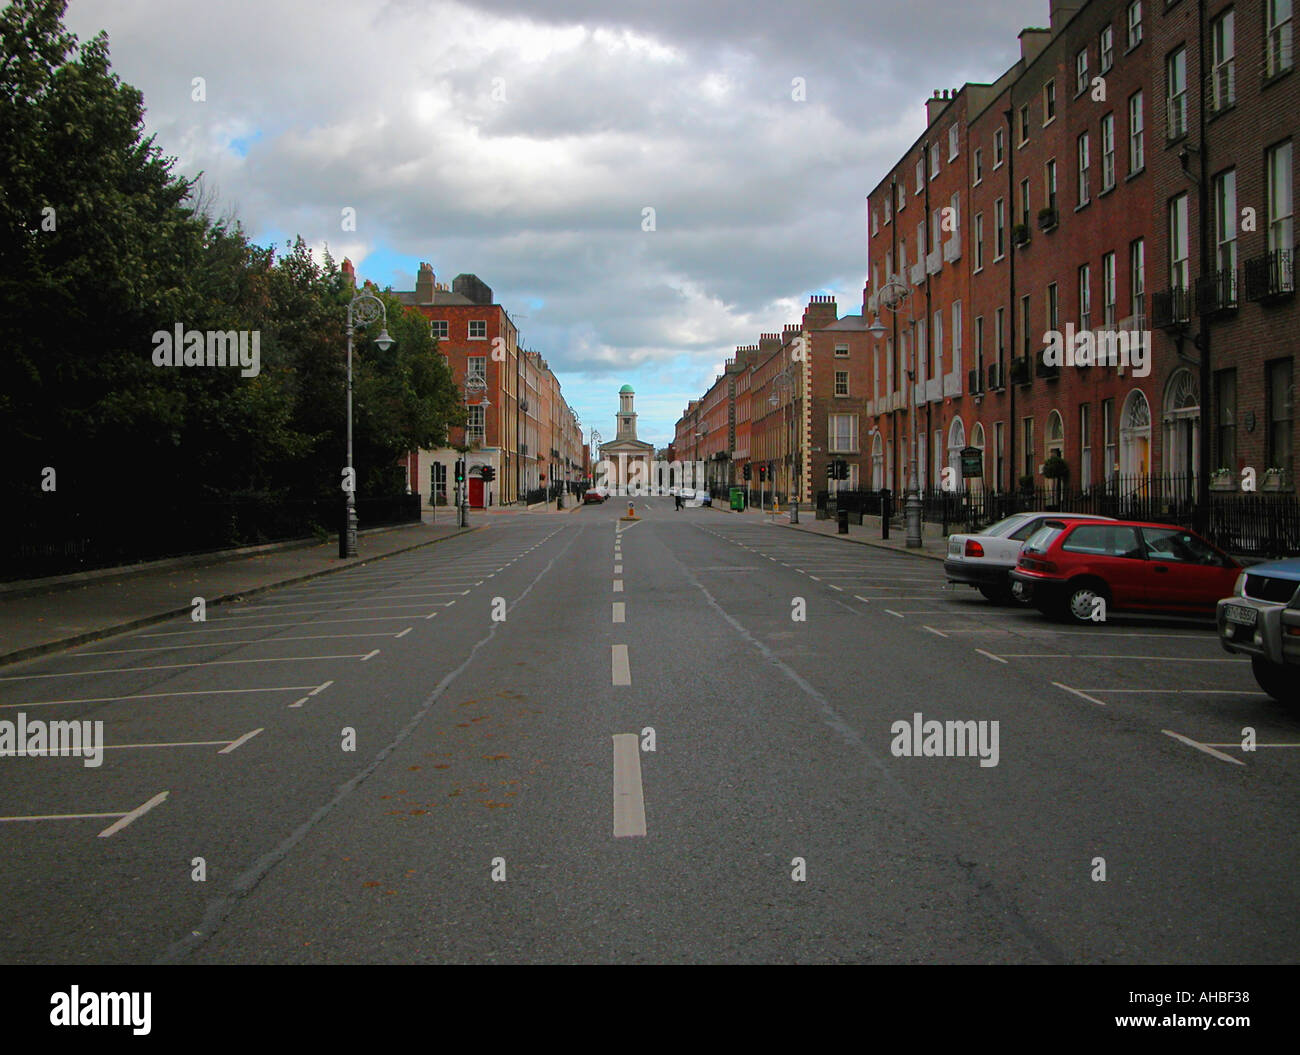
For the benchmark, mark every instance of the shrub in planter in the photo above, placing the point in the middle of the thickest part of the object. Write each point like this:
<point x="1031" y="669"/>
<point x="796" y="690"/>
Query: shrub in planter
<point x="1055" y="468"/>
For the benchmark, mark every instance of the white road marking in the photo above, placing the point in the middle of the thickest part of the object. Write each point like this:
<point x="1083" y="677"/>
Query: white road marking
<point x="1104" y="655"/>
<point x="618" y="585"/>
<point x="370" y="655"/>
<point x="1203" y="747"/>
<point x="1239" y="747"/>
<point x="834" y="587"/>
<point x="1080" y="693"/>
<point x="157" y="695"/>
<point x="896" y="615"/>
<point x="405" y="632"/>
<point x="618" y="569"/>
<point x="990" y="655"/>
<point x="1185" y="692"/>
<point x="251" y="641"/>
<point x="134" y="815"/>
<point x="318" y="688"/>
<point x="620" y="612"/>
<point x="932" y="630"/>
<point x="622" y="670"/>
<point x="175" y="666"/>
<point x="629" y="798"/>
<point x="236" y="744"/>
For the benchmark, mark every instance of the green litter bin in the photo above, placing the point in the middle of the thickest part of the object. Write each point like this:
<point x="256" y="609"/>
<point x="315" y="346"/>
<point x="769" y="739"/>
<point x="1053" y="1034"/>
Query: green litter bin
<point x="738" y="499"/>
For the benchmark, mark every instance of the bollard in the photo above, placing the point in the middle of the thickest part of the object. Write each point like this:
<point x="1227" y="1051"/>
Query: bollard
<point x="629" y="510"/>
<point x="886" y="511"/>
<point x="842" y="521"/>
<point x="794" y="512"/>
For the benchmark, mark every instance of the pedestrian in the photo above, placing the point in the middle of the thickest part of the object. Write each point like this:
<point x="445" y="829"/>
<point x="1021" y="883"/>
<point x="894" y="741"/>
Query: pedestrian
<point x="677" y="500"/>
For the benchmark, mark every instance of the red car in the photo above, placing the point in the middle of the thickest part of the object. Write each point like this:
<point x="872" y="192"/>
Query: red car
<point x="1082" y="569"/>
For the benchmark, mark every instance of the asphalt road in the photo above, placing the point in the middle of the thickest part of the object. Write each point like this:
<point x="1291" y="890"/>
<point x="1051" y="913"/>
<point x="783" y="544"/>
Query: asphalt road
<point x="444" y="757"/>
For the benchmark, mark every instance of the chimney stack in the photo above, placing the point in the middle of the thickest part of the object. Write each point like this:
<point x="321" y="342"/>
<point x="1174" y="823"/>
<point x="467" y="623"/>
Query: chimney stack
<point x="424" y="284"/>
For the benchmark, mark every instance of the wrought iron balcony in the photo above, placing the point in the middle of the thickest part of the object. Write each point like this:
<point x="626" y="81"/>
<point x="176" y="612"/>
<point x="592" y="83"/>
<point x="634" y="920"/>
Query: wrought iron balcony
<point x="1271" y="275"/>
<point x="1216" y="292"/>
<point x="1170" y="308"/>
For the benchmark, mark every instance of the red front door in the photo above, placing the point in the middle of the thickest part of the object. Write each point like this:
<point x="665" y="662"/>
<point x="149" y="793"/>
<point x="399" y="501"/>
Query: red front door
<point x="475" y="492"/>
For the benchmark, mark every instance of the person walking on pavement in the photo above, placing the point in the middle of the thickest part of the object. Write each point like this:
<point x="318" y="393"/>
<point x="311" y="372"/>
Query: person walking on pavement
<point x="677" y="500"/>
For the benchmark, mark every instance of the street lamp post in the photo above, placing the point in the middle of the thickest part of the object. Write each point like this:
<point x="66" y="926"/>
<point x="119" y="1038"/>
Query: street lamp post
<point x="891" y="293"/>
<point x="364" y="308"/>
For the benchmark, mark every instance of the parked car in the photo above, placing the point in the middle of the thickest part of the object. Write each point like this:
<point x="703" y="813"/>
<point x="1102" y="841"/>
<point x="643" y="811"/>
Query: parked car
<point x="1262" y="620"/>
<point x="984" y="560"/>
<point x="593" y="496"/>
<point x="1069" y="564"/>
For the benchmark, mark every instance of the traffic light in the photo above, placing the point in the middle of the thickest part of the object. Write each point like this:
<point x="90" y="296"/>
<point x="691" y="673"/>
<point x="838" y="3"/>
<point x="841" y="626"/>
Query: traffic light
<point x="488" y="473"/>
<point x="832" y="468"/>
<point x="745" y="472"/>
<point x="762" y="472"/>
<point x="460" y="470"/>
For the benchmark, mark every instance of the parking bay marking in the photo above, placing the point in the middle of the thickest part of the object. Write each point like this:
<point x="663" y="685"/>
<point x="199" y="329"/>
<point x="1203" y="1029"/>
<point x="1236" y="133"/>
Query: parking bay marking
<point x="164" y="695"/>
<point x="123" y="819"/>
<point x="1203" y="747"/>
<point x="175" y="666"/>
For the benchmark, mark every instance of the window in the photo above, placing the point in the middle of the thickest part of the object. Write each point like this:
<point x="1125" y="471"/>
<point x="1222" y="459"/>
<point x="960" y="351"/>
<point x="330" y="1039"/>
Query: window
<point x="843" y="433"/>
<point x="841" y="382"/>
<point x="889" y="209"/>
<point x="1136" y="155"/>
<point x="1085" y="194"/>
<point x="1135" y="23"/>
<point x="1001" y="332"/>
<point x="1281" y="402"/>
<point x="920" y="176"/>
<point x="476" y="366"/>
<point x="934" y="160"/>
<point x="979" y="351"/>
<point x="1053" y="307"/>
<point x="999" y="230"/>
<point x="1108" y="290"/>
<point x="875" y="223"/>
<point x="1103" y="540"/>
<point x="1223" y="88"/>
<point x="1111" y="465"/>
<point x="1049" y="102"/>
<point x="938" y="345"/>
<point x="1024" y="124"/>
<point x="477" y="414"/>
<point x="979" y="241"/>
<point x="1225" y="401"/>
<point x="952" y="142"/>
<point x="954" y="203"/>
<point x="1280" y="204"/>
<point x="1024" y="202"/>
<point x="1085" y="297"/>
<point x="1106" y="49"/>
<point x="902" y="197"/>
<point x="439" y="329"/>
<point x="1175" y="544"/>
<point x="1027" y="451"/>
<point x="1176" y="94"/>
<point x="1081" y="72"/>
<point x="999" y="449"/>
<point x="1107" y="152"/>
<point x="1049" y="178"/>
<point x="999" y="147"/>
<point x="1026" y="325"/>
<point x="438" y="482"/>
<point x="1277" y="37"/>
<point x="1225" y="221"/>
<point x="1085" y="446"/>
<point x="841" y="351"/>
<point x="1178" y="251"/>
<point x="956" y="335"/>
<point x="478" y="330"/>
<point x="1137" y="282"/>
<point x="977" y="162"/>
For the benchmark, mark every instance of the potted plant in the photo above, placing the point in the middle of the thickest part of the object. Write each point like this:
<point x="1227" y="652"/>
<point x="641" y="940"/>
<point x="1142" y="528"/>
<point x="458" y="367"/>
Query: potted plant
<point x="1020" y="234"/>
<point x="1273" y="479"/>
<point x="1055" y="467"/>
<point x="1048" y="218"/>
<point x="1027" y="483"/>
<point x="1221" y="479"/>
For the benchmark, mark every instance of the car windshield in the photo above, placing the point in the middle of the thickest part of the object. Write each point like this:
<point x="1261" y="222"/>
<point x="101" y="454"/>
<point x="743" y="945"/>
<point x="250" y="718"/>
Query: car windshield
<point x="1041" y="539"/>
<point x="1005" y="527"/>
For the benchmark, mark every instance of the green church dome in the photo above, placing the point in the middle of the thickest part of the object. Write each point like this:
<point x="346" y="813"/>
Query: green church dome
<point x="626" y="388"/>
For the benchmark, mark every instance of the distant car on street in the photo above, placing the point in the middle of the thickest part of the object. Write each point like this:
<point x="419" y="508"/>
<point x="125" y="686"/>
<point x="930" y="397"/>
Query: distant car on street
<point x="1069" y="565"/>
<point x="1262" y="620"/>
<point x="984" y="559"/>
<point x="593" y="496"/>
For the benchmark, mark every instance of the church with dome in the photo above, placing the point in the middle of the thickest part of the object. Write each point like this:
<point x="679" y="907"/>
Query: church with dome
<point x="624" y="451"/>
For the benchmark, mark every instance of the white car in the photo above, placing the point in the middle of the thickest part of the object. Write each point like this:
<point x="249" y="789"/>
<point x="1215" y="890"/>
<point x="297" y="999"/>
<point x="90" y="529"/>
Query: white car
<point x="985" y="560"/>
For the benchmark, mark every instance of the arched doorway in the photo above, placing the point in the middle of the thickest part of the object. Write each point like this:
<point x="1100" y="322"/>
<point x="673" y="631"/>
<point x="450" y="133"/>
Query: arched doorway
<point x="1135" y="437"/>
<point x="1182" y="427"/>
<point x="956" y="441"/>
<point x="877" y="462"/>
<point x="977" y="440"/>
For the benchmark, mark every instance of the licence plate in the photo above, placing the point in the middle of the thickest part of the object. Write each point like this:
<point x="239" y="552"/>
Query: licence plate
<point x="1241" y="616"/>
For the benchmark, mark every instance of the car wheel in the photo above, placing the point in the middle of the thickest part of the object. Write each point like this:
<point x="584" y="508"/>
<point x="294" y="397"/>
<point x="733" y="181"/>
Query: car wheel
<point x="1080" y="601"/>
<point x="997" y="593"/>
<point x="1276" y="680"/>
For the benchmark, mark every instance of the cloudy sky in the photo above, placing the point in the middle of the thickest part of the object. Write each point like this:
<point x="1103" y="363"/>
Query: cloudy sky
<point x="522" y="140"/>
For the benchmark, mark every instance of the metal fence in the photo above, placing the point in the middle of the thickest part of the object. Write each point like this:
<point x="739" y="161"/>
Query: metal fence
<point x="57" y="536"/>
<point x="1257" y="524"/>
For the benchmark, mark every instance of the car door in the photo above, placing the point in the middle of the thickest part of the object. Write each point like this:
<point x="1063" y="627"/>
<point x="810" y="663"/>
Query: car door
<point x="1187" y="573"/>
<point x="1111" y="552"/>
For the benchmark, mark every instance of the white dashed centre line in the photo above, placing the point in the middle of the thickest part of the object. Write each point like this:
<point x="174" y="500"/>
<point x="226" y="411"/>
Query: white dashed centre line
<point x="618" y="585"/>
<point x="620" y="612"/>
<point x="629" y="799"/>
<point x="621" y="668"/>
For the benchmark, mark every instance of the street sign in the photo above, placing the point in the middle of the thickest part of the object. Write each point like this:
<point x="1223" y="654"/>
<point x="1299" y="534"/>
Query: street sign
<point x="972" y="462"/>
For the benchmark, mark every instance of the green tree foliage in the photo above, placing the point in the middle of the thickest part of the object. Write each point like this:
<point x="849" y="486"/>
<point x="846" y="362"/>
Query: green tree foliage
<point x="101" y="245"/>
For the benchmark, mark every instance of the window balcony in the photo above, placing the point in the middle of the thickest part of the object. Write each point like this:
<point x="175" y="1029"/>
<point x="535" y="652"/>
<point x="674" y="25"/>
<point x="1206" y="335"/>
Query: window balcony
<point x="952" y="249"/>
<point x="1048" y="219"/>
<point x="933" y="262"/>
<point x="918" y="274"/>
<point x="1020" y="374"/>
<point x="1020" y="235"/>
<point x="1051" y="373"/>
<point x="1170" y="308"/>
<point x="1271" y="276"/>
<point x="1216" y="292"/>
<point x="996" y="384"/>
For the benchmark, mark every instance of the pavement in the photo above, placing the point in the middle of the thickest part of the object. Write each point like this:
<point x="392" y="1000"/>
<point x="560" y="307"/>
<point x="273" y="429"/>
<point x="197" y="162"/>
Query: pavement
<point x="690" y="738"/>
<point x="863" y="534"/>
